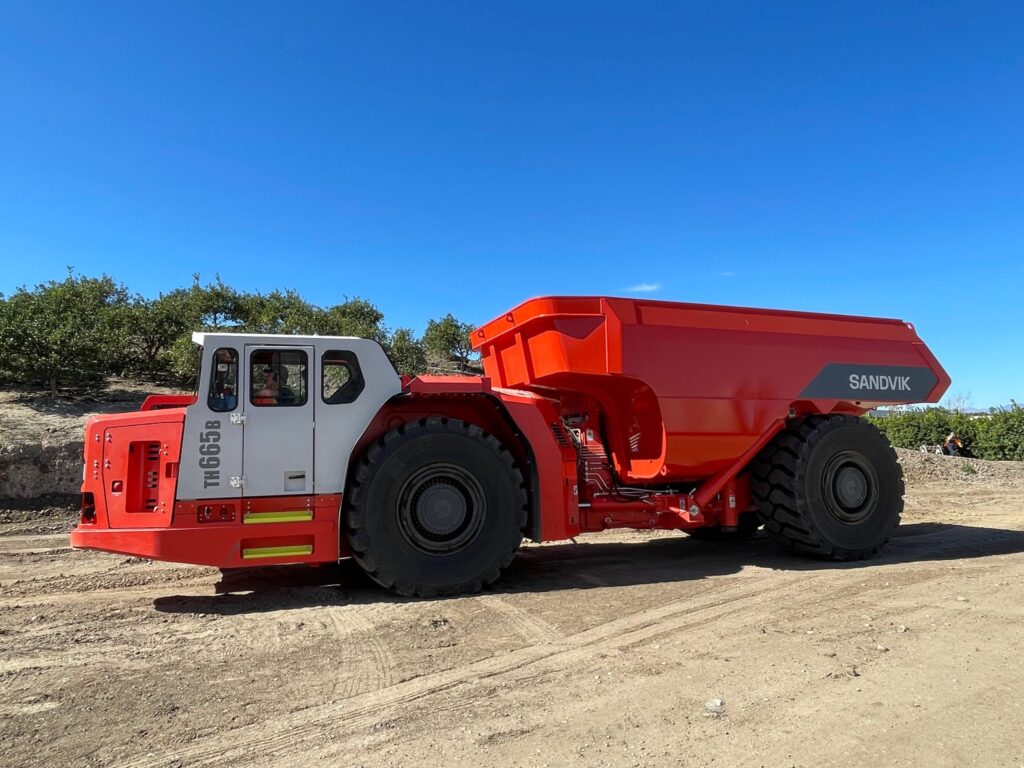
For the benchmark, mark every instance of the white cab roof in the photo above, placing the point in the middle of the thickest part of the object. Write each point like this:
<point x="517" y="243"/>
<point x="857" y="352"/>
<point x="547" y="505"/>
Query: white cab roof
<point x="201" y="338"/>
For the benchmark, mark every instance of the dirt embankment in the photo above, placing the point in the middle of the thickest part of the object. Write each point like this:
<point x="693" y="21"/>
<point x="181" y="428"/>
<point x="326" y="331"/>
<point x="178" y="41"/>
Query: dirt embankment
<point x="41" y="438"/>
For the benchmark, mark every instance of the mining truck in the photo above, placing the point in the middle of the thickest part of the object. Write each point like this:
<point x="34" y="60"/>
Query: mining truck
<point x="592" y="413"/>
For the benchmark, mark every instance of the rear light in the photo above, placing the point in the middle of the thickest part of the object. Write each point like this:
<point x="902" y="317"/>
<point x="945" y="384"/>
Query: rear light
<point x="215" y="513"/>
<point x="117" y="486"/>
<point x="88" y="508"/>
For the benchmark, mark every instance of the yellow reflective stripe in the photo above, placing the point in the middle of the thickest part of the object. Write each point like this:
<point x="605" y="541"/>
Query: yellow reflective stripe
<point x="298" y="551"/>
<point x="289" y="516"/>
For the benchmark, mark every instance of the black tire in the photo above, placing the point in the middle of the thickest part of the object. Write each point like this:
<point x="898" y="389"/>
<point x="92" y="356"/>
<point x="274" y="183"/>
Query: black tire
<point x="435" y="507"/>
<point x="829" y="486"/>
<point x="748" y="524"/>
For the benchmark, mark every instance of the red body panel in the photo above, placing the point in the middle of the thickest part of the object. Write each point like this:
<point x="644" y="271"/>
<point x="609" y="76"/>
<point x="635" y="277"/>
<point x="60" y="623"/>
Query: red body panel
<point x="131" y="466"/>
<point x="158" y="402"/>
<point x="686" y="389"/>
<point x="223" y="543"/>
<point x="522" y="421"/>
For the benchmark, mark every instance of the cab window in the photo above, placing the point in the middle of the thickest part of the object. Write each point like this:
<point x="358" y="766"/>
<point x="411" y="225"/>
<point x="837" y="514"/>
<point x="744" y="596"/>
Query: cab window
<point x="278" y="377"/>
<point x="223" y="380"/>
<point x="342" y="380"/>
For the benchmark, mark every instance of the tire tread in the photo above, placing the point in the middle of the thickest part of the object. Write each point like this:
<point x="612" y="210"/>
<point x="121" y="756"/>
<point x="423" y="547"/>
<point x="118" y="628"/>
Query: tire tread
<point x="355" y="512"/>
<point x="779" y="474"/>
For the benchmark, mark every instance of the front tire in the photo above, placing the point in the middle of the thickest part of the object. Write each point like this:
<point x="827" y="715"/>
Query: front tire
<point x="435" y="507"/>
<point x="830" y="486"/>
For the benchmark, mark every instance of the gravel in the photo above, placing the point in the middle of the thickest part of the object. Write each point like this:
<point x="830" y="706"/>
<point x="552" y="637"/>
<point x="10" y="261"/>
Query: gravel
<point x="921" y="467"/>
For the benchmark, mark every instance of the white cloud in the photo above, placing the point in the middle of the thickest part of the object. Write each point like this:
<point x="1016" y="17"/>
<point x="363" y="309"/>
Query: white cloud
<point x="644" y="288"/>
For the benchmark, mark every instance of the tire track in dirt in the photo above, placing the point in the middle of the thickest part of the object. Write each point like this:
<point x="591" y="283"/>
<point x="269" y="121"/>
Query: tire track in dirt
<point x="33" y="544"/>
<point x="289" y="732"/>
<point x="530" y="628"/>
<point x="346" y="623"/>
<point x="50" y="591"/>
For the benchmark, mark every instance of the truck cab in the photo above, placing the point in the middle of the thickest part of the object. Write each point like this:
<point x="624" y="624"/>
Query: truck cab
<point x="278" y="415"/>
<point x="264" y="444"/>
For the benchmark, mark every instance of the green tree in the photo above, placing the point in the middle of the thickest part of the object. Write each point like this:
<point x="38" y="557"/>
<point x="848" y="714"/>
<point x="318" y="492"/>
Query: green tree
<point x="446" y="341"/>
<point x="1001" y="435"/>
<point x="998" y="435"/>
<point x="64" y="332"/>
<point x="161" y="329"/>
<point x="406" y="353"/>
<point x="218" y="306"/>
<point x="353" y="317"/>
<point x="276" y="312"/>
<point x="154" y="327"/>
<point x="915" y="427"/>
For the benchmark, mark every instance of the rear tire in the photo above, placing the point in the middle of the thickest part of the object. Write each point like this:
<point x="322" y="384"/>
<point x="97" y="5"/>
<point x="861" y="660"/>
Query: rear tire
<point x="435" y="507"/>
<point x="829" y="486"/>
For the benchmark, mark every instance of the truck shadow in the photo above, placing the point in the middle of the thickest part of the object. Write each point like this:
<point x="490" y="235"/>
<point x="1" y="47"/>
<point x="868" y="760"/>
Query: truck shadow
<point x="588" y="565"/>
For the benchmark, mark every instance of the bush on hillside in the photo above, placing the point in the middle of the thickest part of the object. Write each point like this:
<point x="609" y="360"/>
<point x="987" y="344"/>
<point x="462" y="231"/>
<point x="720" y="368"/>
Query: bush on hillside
<point x="70" y="332"/>
<point x="998" y="435"/>
<point x="76" y="332"/>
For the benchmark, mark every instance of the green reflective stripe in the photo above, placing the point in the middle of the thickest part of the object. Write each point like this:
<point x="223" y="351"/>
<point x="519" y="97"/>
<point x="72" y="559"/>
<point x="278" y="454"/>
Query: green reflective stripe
<point x="299" y="551"/>
<point x="290" y="516"/>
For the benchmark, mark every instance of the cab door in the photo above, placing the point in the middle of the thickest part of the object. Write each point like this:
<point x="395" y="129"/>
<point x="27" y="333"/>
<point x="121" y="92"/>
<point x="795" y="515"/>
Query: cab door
<point x="277" y="455"/>
<point x="211" y="449"/>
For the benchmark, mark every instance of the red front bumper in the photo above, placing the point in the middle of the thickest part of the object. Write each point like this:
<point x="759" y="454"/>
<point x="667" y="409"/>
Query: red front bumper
<point x="247" y="540"/>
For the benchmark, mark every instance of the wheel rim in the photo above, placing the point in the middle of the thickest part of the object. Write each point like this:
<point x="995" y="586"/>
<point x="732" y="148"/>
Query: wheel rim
<point x="441" y="508"/>
<point x="850" y="487"/>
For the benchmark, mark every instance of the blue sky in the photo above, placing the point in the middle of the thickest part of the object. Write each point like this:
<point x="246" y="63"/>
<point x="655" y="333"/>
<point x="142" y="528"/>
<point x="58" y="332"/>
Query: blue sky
<point x="461" y="157"/>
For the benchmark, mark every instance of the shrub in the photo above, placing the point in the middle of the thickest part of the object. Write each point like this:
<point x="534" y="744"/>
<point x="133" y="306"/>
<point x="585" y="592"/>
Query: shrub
<point x="446" y="342"/>
<point x="66" y="332"/>
<point x="80" y="330"/>
<point x="1002" y="435"/>
<point x="998" y="435"/>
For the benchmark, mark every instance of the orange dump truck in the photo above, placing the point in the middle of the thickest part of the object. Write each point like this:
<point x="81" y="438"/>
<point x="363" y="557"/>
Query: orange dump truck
<point x="592" y="413"/>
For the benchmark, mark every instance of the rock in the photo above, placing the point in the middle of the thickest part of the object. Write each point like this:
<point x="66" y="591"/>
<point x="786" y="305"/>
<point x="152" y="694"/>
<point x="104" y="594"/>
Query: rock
<point x="714" y="708"/>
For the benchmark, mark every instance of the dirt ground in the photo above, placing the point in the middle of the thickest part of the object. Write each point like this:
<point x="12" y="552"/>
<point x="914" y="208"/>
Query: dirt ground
<point x="609" y="652"/>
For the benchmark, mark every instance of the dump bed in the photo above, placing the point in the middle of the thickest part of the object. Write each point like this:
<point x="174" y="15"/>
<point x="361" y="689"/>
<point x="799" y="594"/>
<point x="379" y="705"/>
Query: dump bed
<point x="685" y="389"/>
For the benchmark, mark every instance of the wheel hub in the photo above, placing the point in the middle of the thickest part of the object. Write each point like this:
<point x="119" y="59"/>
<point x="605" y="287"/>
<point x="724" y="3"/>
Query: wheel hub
<point x="441" y="509"/>
<point x="851" y="487"/>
